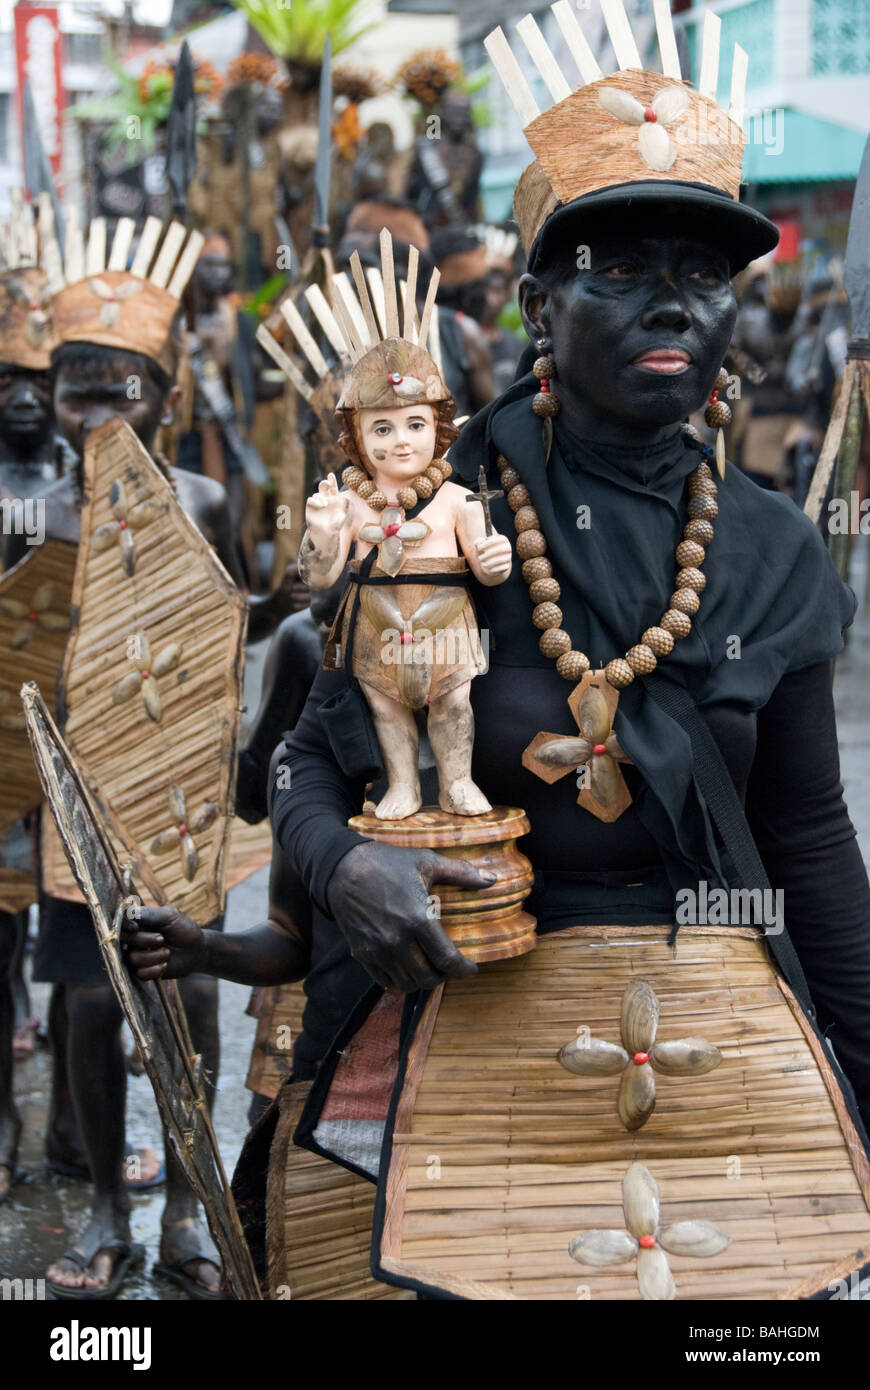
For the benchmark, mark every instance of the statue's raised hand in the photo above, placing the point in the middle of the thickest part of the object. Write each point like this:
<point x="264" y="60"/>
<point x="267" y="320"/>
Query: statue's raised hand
<point x="327" y="508"/>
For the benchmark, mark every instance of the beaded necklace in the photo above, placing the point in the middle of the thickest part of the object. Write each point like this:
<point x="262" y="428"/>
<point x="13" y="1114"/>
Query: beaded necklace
<point x="595" y="755"/>
<point x="544" y="590"/>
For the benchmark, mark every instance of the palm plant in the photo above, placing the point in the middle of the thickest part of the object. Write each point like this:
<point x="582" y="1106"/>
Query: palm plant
<point x="298" y="32"/>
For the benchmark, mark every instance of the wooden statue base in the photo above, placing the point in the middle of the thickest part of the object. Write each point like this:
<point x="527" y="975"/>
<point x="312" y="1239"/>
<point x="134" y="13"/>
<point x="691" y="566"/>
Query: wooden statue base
<point x="488" y="923"/>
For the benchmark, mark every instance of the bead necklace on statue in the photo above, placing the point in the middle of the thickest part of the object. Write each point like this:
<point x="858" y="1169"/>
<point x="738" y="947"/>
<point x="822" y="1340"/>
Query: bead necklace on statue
<point x="421" y="488"/>
<point x="594" y="700"/>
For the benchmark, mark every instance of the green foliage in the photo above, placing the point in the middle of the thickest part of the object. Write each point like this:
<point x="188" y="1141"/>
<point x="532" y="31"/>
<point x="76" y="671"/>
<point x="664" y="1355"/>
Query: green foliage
<point x="298" y="32"/>
<point x="127" y="103"/>
<point x="511" y="318"/>
<point x="266" y="295"/>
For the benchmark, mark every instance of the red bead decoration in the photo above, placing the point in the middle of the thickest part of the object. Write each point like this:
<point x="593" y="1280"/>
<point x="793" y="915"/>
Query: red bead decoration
<point x="395" y="378"/>
<point x="647" y="1242"/>
<point x="599" y="749"/>
<point x="182" y="829"/>
<point x="650" y="115"/>
<point x="122" y="524"/>
<point x="406" y="638"/>
<point x="392" y="528"/>
<point x="639" y="1058"/>
<point x="145" y="675"/>
<point x="31" y="617"/>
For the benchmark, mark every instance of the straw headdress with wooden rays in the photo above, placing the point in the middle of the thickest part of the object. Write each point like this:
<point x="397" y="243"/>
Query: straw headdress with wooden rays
<point x="629" y="127"/>
<point x="26" y="327"/>
<point x="384" y="367"/>
<point x="98" y="300"/>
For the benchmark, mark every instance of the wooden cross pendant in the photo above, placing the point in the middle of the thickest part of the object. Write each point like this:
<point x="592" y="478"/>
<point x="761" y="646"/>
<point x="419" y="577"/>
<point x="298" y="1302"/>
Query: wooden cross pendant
<point x="597" y="752"/>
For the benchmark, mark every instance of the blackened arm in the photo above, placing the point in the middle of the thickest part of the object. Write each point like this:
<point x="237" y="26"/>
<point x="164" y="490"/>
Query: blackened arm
<point x="807" y="841"/>
<point x="313" y="800"/>
<point x="275" y="952"/>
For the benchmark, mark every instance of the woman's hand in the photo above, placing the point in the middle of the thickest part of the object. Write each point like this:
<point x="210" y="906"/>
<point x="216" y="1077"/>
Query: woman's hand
<point x="495" y="558"/>
<point x="162" y="944"/>
<point x="382" y="901"/>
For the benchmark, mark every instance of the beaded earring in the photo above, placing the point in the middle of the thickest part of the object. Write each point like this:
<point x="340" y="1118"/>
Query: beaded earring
<point x="717" y="416"/>
<point x="545" y="404"/>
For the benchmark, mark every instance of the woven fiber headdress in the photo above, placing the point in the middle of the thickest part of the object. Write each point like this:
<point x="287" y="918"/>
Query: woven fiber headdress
<point x="632" y="136"/>
<point x="98" y="300"/>
<point x="384" y="367"/>
<point x="26" y="327"/>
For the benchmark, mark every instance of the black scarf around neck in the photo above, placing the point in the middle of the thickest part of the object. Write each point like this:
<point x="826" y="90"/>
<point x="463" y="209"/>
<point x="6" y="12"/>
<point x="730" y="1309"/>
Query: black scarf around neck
<point x="773" y="602"/>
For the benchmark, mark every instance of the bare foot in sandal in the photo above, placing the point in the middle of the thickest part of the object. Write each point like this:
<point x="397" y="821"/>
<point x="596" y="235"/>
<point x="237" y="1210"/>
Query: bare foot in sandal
<point x="185" y="1238"/>
<point x="98" y="1260"/>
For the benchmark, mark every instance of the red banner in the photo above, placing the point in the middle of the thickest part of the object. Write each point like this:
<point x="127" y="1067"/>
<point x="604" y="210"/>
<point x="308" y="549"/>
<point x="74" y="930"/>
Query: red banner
<point x="39" y="60"/>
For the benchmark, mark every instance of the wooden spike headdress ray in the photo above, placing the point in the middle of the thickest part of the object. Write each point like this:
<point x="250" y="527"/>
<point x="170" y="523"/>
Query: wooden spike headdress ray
<point x="385" y="366"/>
<point x="644" y="137"/>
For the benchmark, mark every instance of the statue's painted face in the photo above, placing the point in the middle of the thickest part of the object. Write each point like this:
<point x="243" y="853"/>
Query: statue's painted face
<point x="399" y="443"/>
<point x="640" y="329"/>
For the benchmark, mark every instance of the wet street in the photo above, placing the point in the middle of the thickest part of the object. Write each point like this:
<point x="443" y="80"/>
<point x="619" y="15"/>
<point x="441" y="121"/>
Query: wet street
<point x="43" y="1215"/>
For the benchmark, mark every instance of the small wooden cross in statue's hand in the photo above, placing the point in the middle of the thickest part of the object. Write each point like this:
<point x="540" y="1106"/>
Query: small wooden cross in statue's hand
<point x="484" y="496"/>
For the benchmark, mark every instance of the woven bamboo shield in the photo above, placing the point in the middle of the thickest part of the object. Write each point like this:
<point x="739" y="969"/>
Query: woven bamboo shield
<point x="34" y="627"/>
<point x="612" y="1118"/>
<point x="319" y="1220"/>
<point x="152" y="676"/>
<point x="153" y="1009"/>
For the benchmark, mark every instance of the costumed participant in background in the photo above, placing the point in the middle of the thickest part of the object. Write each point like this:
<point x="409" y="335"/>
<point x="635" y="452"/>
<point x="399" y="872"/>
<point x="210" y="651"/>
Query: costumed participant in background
<point x="221" y="354"/>
<point x="815" y="369"/>
<point x="505" y="346"/>
<point x="768" y="411"/>
<point x="31" y="455"/>
<point x="117" y="356"/>
<point x="462" y="258"/>
<point x="444" y="183"/>
<point x="110" y="363"/>
<point x="637" y="567"/>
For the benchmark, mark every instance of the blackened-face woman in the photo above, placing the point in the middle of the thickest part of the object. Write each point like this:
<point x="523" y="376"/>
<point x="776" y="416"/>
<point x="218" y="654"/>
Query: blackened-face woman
<point x="639" y="561"/>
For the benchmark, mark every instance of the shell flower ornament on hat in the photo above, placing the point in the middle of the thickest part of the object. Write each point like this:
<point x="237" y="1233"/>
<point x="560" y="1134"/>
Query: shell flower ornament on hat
<point x="654" y="144"/>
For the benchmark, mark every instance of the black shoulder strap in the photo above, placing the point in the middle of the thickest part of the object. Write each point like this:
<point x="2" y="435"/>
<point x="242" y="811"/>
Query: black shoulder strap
<point x="723" y="803"/>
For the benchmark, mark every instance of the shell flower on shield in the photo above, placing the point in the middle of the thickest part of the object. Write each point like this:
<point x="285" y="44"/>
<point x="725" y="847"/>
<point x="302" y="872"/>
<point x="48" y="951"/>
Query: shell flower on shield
<point x="143" y="680"/>
<point x="639" y="1054"/>
<point x="40" y="613"/>
<point x="182" y="832"/>
<point x="656" y="148"/>
<point x="644" y="1241"/>
<point x="126" y="520"/>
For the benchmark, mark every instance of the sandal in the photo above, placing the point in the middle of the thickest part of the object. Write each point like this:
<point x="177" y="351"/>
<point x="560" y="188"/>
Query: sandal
<point x="191" y="1246"/>
<point x="82" y="1254"/>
